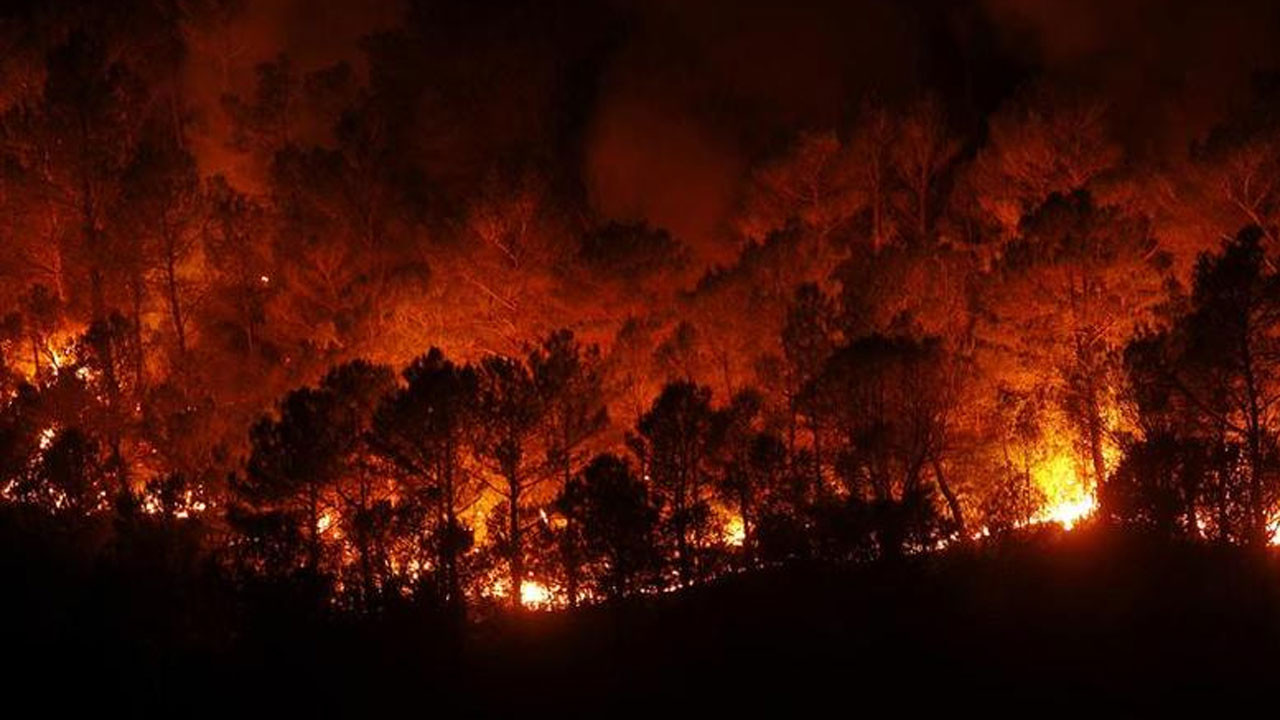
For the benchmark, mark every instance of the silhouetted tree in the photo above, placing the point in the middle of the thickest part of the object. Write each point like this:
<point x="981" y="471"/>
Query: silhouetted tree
<point x="164" y="209"/>
<point x="748" y="462"/>
<point x="612" y="510"/>
<point x="510" y="413"/>
<point x="1158" y="486"/>
<point x="422" y="429"/>
<point x="241" y="265"/>
<point x="569" y="383"/>
<point x="42" y="313"/>
<point x="1218" y="363"/>
<point x="889" y="408"/>
<point x="299" y="460"/>
<point x="674" y="443"/>
<point x="808" y="339"/>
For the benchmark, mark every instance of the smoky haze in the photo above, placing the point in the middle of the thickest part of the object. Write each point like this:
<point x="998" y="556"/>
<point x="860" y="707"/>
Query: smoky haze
<point x="685" y="95"/>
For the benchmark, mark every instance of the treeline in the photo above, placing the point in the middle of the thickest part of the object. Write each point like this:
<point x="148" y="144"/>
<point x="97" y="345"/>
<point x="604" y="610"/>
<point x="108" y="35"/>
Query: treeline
<point x="911" y="331"/>
<point x="376" y="487"/>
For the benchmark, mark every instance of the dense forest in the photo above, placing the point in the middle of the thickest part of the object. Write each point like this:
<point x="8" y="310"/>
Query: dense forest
<point x="462" y="311"/>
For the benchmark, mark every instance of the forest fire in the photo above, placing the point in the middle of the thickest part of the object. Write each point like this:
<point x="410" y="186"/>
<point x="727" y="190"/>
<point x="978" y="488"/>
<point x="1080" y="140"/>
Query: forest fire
<point x="734" y="532"/>
<point x="534" y="595"/>
<point x="419" y="309"/>
<point x="1068" y="513"/>
<point x="1067" y="496"/>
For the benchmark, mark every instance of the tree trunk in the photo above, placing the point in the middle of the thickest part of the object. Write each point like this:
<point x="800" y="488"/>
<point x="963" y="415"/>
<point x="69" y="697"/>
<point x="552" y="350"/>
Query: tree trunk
<point x="313" y="519"/>
<point x="35" y="356"/>
<point x="139" y="359"/>
<point x="171" y="289"/>
<point x="362" y="547"/>
<point x="447" y="546"/>
<point x="516" y="557"/>
<point x="684" y="567"/>
<point x="923" y="200"/>
<point x="953" y="503"/>
<point x="1257" y="513"/>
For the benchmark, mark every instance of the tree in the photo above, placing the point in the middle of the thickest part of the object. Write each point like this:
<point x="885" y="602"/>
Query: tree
<point x="750" y="463"/>
<point x="1017" y="433"/>
<point x="1234" y="168"/>
<point x="422" y="430"/>
<point x="1159" y="485"/>
<point x="629" y="264"/>
<point x="674" y="444"/>
<point x="75" y="146"/>
<point x="510" y="412"/>
<point x="808" y="339"/>
<point x="502" y="275"/>
<point x="86" y="129"/>
<point x="612" y="510"/>
<point x="71" y="474"/>
<point x="42" y="312"/>
<point x="164" y="207"/>
<point x="870" y="147"/>
<point x="923" y="152"/>
<point x="889" y="404"/>
<point x="343" y="214"/>
<point x="363" y="492"/>
<point x="569" y="383"/>
<point x="1220" y="362"/>
<point x="241" y="263"/>
<point x="1066" y="296"/>
<point x="813" y="183"/>
<point x="11" y="338"/>
<point x="299" y="460"/>
<point x="1046" y="141"/>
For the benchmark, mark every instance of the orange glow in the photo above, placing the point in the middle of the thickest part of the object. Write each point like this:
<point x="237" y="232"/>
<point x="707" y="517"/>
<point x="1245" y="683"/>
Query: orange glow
<point x="1068" y="513"/>
<point x="534" y="595"/>
<point x="1068" y="497"/>
<point x="734" y="532"/>
<point x="326" y="522"/>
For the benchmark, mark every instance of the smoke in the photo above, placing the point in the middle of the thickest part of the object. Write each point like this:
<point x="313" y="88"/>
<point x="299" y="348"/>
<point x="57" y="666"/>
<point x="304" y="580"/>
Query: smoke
<point x="228" y="40"/>
<point x="702" y="89"/>
<point x="699" y="90"/>
<point x="1170" y="68"/>
<point x="658" y="164"/>
<point x="691" y="93"/>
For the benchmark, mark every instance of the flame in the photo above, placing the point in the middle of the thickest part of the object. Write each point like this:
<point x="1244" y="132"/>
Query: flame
<point x="534" y="595"/>
<point x="1068" y="513"/>
<point x="1068" y="498"/>
<point x="326" y="522"/>
<point x="734" y="532"/>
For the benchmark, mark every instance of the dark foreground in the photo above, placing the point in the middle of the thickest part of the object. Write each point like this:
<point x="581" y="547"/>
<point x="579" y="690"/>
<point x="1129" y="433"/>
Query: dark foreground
<point x="1045" y="623"/>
